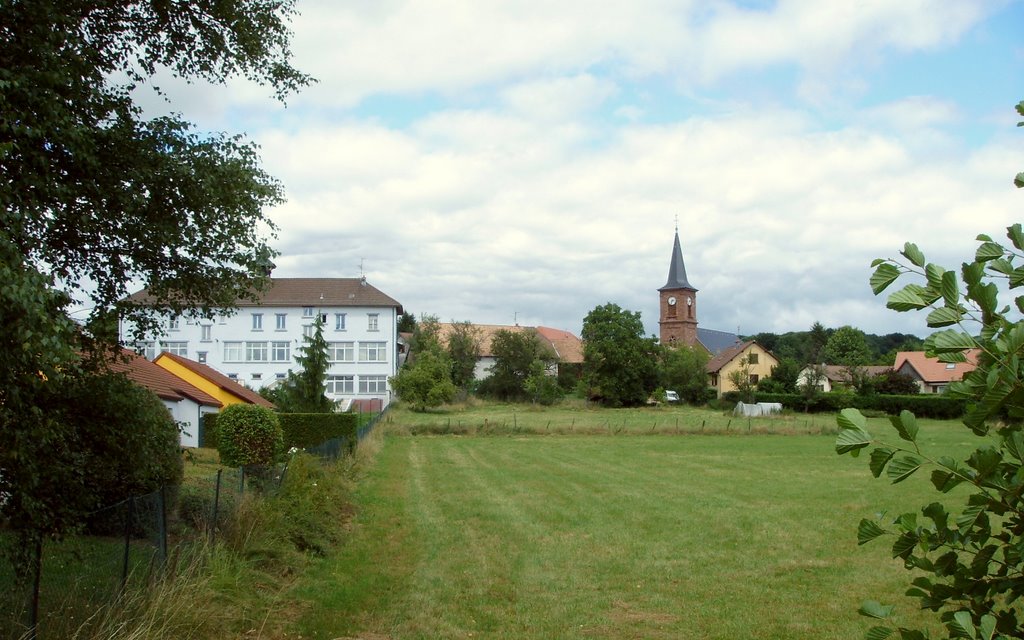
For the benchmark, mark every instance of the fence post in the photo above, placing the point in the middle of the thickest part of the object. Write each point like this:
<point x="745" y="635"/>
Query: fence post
<point x="161" y="519"/>
<point x="127" y="541"/>
<point x="216" y="505"/>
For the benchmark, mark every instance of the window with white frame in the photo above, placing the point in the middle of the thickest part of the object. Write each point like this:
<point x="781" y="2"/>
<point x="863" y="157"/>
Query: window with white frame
<point x="256" y="351"/>
<point x="373" y="352"/>
<point x="201" y="357"/>
<point x="234" y="352"/>
<point x="177" y="348"/>
<point x="339" y="322"/>
<point x="307" y="312"/>
<point x="280" y="351"/>
<point x="146" y="349"/>
<point x="338" y="385"/>
<point x="257" y="322"/>
<point x="372" y="321"/>
<point x="308" y="330"/>
<point x="257" y="376"/>
<point x="280" y="321"/>
<point x="373" y="384"/>
<point x="341" y="351"/>
<point x="205" y="332"/>
<point x="174" y="323"/>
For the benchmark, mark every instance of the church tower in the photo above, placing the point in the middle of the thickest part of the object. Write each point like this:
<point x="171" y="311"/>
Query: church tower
<point x="678" y="308"/>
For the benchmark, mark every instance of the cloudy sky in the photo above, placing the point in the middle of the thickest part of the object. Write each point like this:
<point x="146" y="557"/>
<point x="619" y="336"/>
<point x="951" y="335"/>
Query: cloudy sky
<point x="529" y="160"/>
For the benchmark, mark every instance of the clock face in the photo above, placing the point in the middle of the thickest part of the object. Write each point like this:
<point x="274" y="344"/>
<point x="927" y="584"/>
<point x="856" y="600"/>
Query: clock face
<point x="689" y="301"/>
<point x="672" y="300"/>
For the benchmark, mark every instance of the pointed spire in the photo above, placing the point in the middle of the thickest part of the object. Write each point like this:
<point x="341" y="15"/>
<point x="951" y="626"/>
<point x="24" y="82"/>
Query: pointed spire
<point x="676" y="269"/>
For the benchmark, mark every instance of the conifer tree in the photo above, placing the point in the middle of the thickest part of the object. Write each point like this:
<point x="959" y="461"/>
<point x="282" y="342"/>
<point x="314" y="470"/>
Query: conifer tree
<point x="304" y="391"/>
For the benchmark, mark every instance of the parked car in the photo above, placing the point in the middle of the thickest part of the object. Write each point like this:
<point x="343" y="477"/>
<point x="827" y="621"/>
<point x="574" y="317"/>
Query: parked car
<point x="671" y="396"/>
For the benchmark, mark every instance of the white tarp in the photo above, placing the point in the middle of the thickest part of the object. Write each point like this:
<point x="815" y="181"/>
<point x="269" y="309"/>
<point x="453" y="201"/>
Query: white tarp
<point x="759" y="409"/>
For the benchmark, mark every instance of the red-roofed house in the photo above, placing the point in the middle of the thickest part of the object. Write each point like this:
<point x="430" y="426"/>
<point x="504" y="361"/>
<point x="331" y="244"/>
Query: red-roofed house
<point x="186" y="402"/>
<point x="568" y="349"/>
<point x="213" y="382"/>
<point x="931" y="375"/>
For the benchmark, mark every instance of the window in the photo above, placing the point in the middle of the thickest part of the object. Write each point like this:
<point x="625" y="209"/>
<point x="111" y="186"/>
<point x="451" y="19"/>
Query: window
<point x="307" y="312"/>
<point x="146" y="349"/>
<point x="279" y="376"/>
<point x="201" y="357"/>
<point x="341" y="351"/>
<point x="373" y="384"/>
<point x="371" y="321"/>
<point x="234" y="352"/>
<point x="373" y="352"/>
<point x="950" y="365"/>
<point x="257" y="322"/>
<point x="206" y="330"/>
<point x="280" y="351"/>
<point x="753" y="378"/>
<point x="256" y="351"/>
<point x="339" y="322"/>
<point x="233" y="376"/>
<point x="177" y="348"/>
<point x="257" y="376"/>
<point x="338" y="385"/>
<point x="280" y="321"/>
<point x="308" y="330"/>
<point x="751" y="358"/>
<point x="174" y="323"/>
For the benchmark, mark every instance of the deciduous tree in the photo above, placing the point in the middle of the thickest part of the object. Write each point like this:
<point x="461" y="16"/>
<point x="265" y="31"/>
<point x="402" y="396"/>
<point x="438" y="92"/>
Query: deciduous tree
<point x="619" y="364"/>
<point x="683" y="370"/>
<point x="463" y="349"/>
<point x="426" y="381"/>
<point x="515" y="353"/>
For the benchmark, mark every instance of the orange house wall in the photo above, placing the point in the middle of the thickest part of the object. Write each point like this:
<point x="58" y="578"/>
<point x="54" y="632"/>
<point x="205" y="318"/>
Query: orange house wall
<point x="226" y="397"/>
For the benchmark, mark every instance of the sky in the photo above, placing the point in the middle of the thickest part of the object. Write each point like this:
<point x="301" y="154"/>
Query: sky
<point x="527" y="161"/>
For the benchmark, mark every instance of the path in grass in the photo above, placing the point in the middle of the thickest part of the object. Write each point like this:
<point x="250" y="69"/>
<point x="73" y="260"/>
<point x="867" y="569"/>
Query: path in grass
<point x="609" y="537"/>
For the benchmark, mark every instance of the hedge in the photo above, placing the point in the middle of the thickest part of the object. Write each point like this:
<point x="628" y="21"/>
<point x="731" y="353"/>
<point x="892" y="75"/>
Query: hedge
<point x="301" y="430"/>
<point x="923" y="406"/>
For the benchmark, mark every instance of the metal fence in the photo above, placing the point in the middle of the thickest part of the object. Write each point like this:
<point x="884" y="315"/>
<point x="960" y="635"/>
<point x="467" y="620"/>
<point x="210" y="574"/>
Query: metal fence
<point x="126" y="545"/>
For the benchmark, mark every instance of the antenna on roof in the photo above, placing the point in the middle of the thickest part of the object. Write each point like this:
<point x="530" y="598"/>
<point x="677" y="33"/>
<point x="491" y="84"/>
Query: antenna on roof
<point x="515" y="318"/>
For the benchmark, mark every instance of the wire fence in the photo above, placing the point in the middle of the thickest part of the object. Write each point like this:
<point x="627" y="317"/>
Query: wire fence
<point x="126" y="545"/>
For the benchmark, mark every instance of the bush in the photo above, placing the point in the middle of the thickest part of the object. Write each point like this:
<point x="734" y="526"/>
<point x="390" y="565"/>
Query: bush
<point x="248" y="435"/>
<point x="304" y="430"/>
<point x="940" y="407"/>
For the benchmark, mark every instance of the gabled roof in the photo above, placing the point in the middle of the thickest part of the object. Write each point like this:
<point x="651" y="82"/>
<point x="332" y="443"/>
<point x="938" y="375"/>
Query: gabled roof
<point x="567" y="347"/>
<point x="841" y="373"/>
<point x="716" y="363"/>
<point x="297" y="292"/>
<point x="677" y="270"/>
<point x="217" y="378"/>
<point x="716" y="341"/>
<point x="931" y="371"/>
<point x="163" y="383"/>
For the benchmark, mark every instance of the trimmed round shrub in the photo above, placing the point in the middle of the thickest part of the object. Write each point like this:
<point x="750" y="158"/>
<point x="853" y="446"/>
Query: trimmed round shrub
<point x="248" y="435"/>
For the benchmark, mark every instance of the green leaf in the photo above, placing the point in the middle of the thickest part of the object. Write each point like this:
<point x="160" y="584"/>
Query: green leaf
<point x="903" y="467"/>
<point x="948" y="341"/>
<point x="852" y="435"/>
<point x="987" y="628"/>
<point x="972" y="272"/>
<point x="912" y="253"/>
<point x="962" y="626"/>
<point x="868" y="530"/>
<point x="1017" y="277"/>
<point x="884" y="275"/>
<point x="1001" y="265"/>
<point x="874" y="609"/>
<point x="878" y="633"/>
<point x="944" y="317"/>
<point x="970" y="515"/>
<point x="906" y="425"/>
<point x="1019" y="300"/>
<point x="950" y="289"/>
<point x="904" y="545"/>
<point x="988" y="251"/>
<point x="1016" y="235"/>
<point x="880" y="457"/>
<point x="944" y="481"/>
<point x="909" y="298"/>
<point x="1019" y="180"/>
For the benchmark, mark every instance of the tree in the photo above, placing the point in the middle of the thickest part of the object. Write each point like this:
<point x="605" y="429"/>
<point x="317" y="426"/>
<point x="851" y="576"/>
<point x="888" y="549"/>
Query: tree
<point x="968" y="565"/>
<point x="248" y="434"/>
<point x="817" y="338"/>
<point x="619" y="363"/>
<point x="425" y="382"/>
<point x="463" y="349"/>
<point x="740" y="378"/>
<point x="785" y="375"/>
<point x="896" y="383"/>
<point x="303" y="392"/>
<point x="847" y="347"/>
<point x="426" y="336"/>
<point x="683" y="370"/>
<point x="541" y="386"/>
<point x="515" y="353"/>
<point x="811" y="382"/>
<point x="95" y="198"/>
<point x="406" y="322"/>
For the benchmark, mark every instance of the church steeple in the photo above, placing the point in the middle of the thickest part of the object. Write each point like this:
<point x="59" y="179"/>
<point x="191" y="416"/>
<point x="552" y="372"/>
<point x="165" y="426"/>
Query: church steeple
<point x="678" y="302"/>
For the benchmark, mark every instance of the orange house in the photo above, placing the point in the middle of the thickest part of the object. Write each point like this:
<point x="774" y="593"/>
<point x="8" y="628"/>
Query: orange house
<point x="210" y="380"/>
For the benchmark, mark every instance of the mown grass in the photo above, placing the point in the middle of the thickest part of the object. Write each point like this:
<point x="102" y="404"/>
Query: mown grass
<point x="612" y="536"/>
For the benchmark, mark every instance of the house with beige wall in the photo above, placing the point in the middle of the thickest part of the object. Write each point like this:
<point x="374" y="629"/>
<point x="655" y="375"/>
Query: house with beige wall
<point x="760" y="360"/>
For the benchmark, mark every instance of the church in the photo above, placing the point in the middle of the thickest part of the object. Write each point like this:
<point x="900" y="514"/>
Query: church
<point x="677" y="321"/>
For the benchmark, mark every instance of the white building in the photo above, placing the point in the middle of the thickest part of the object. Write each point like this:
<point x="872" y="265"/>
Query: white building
<point x="257" y="345"/>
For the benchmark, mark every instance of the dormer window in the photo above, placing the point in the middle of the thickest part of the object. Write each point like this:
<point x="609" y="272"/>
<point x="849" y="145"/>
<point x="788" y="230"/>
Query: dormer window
<point x="951" y="365"/>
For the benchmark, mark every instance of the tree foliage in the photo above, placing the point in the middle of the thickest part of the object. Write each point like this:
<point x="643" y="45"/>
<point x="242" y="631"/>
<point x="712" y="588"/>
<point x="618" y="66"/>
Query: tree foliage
<point x="896" y="384"/>
<point x="619" y="364"/>
<point x="969" y="562"/>
<point x="463" y="349"/>
<point x="303" y="391"/>
<point x="95" y="198"/>
<point x="248" y="434"/>
<point x="847" y="346"/>
<point x="515" y="353"/>
<point x="426" y="381"/>
<point x="682" y="369"/>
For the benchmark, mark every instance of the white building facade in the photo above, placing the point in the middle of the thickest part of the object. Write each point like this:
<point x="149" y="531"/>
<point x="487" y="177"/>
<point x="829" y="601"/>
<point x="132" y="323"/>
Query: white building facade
<point x="257" y="345"/>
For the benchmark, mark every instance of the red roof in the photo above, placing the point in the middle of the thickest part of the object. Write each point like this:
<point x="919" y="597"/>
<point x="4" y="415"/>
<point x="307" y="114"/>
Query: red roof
<point x="725" y="356"/>
<point x="217" y="378"/>
<point x="567" y="347"/>
<point x="930" y="370"/>
<point x="160" y="381"/>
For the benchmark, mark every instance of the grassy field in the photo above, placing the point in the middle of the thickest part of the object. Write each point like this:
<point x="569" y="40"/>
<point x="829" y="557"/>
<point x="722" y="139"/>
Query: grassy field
<point x="612" y="536"/>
